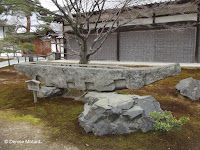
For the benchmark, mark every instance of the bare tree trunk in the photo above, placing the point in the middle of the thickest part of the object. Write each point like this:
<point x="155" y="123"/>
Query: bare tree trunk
<point x="84" y="54"/>
<point x="30" y="58"/>
<point x="30" y="55"/>
<point x="28" y="29"/>
<point x="8" y="60"/>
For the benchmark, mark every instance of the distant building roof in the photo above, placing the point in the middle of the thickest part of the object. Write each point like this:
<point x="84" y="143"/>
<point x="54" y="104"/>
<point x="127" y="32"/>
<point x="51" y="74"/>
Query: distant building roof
<point x="110" y="4"/>
<point x="87" y="5"/>
<point x="147" y="2"/>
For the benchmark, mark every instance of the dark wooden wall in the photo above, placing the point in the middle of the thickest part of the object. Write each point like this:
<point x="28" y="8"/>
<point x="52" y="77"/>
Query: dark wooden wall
<point x="42" y="46"/>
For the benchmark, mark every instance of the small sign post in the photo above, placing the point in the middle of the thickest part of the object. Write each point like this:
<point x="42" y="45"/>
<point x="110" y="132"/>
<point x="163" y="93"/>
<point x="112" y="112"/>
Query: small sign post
<point x="34" y="85"/>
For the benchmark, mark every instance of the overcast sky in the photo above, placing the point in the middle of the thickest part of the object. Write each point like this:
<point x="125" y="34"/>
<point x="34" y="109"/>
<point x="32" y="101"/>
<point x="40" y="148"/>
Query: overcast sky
<point x="48" y="4"/>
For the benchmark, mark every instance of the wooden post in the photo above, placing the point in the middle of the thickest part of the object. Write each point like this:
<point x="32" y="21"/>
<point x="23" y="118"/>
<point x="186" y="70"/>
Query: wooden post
<point x="118" y="43"/>
<point x="8" y="60"/>
<point x="43" y="48"/>
<point x="60" y="45"/>
<point x="30" y="56"/>
<point x="34" y="85"/>
<point x="154" y="18"/>
<point x="3" y="32"/>
<point x="56" y="44"/>
<point x="65" y="47"/>
<point x="196" y="54"/>
<point x="64" y="42"/>
<point x="35" y="96"/>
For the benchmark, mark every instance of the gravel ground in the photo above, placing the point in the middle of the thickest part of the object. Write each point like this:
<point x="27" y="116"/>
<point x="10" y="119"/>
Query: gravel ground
<point x="23" y="136"/>
<point x="15" y="61"/>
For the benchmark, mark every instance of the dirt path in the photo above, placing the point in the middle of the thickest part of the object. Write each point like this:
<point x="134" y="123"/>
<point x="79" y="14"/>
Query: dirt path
<point x="23" y="136"/>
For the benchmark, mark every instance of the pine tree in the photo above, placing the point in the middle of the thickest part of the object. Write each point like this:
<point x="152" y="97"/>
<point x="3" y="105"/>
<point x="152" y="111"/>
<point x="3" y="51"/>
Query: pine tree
<point x="24" y="8"/>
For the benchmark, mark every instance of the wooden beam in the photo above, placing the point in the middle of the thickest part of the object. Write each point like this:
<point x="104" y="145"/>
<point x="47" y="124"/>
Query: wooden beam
<point x="155" y="26"/>
<point x="65" y="47"/>
<point x="60" y="44"/>
<point x="64" y="42"/>
<point x="3" y="32"/>
<point x="56" y="44"/>
<point x="197" y="43"/>
<point x="154" y="18"/>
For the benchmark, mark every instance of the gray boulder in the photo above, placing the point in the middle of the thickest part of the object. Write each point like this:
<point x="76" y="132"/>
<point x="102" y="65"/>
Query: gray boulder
<point x="190" y="88"/>
<point x="50" y="92"/>
<point x="112" y="113"/>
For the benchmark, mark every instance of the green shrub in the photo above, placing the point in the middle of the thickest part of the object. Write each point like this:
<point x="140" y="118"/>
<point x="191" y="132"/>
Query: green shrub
<point x="165" y="121"/>
<point x="28" y="47"/>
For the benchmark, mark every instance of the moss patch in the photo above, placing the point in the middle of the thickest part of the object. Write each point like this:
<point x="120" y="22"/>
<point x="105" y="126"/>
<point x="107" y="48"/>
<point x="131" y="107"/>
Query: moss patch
<point x="2" y="59"/>
<point x="11" y="115"/>
<point x="59" y="115"/>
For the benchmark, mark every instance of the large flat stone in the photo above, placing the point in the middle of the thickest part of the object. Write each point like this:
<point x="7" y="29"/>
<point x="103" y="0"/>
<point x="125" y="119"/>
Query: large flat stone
<point x="95" y="77"/>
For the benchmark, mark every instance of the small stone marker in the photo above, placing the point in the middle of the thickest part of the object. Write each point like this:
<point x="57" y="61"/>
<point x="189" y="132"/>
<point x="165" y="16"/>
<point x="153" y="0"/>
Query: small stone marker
<point x="34" y="85"/>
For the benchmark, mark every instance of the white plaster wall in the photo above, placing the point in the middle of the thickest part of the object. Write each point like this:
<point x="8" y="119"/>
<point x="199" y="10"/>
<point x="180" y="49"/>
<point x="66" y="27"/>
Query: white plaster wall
<point x="10" y="54"/>
<point x="141" y="21"/>
<point x="53" y="47"/>
<point x="59" y="46"/>
<point x="1" y="33"/>
<point x="185" y="17"/>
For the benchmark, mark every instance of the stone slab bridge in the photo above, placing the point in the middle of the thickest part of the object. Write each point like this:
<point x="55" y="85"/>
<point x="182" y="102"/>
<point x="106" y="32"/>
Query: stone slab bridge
<point x="95" y="77"/>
